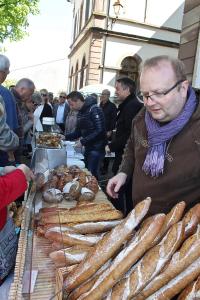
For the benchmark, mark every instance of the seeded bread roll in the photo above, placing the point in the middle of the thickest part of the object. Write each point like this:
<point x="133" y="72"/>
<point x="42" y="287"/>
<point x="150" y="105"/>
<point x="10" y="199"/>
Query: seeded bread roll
<point x="107" y="247"/>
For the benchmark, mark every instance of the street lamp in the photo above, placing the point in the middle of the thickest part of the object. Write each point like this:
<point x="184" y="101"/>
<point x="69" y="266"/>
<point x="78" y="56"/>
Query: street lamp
<point x="117" y="7"/>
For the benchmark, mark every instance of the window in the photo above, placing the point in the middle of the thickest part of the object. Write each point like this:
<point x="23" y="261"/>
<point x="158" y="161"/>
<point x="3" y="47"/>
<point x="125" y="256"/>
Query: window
<point x="82" y="73"/>
<point x="129" y="67"/>
<point x="76" y="77"/>
<point x="87" y="9"/>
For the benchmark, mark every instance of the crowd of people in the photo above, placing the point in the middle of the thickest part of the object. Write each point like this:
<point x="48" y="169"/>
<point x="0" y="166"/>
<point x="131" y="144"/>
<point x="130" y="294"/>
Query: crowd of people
<point x="153" y="134"/>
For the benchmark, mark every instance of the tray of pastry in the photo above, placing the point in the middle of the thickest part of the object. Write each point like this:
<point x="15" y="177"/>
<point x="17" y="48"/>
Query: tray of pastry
<point x="50" y="140"/>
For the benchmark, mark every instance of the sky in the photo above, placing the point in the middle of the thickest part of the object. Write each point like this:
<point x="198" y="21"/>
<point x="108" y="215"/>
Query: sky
<point x="42" y="56"/>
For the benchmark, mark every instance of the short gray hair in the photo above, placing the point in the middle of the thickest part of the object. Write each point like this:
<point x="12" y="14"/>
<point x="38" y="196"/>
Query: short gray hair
<point x="176" y="64"/>
<point x="25" y="83"/>
<point x="4" y="63"/>
<point x="36" y="98"/>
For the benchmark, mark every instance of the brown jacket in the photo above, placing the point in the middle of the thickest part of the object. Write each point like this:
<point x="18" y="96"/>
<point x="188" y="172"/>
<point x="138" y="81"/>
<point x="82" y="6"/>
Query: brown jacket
<point x="181" y="178"/>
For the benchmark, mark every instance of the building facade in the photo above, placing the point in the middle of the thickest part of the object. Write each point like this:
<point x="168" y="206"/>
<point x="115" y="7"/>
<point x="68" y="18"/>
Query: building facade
<point x="105" y="46"/>
<point x="189" y="51"/>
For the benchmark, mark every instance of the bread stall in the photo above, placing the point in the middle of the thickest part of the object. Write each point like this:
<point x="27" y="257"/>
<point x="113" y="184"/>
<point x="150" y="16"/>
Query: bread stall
<point x="81" y="247"/>
<point x="34" y="268"/>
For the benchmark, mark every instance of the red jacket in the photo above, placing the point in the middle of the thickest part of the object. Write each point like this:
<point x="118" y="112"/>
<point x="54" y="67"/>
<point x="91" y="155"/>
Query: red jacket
<point x="12" y="186"/>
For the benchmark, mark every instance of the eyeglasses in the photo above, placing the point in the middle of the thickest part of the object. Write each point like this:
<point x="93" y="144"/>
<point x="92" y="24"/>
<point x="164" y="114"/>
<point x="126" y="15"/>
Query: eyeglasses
<point x="159" y="95"/>
<point x="43" y="95"/>
<point x="63" y="97"/>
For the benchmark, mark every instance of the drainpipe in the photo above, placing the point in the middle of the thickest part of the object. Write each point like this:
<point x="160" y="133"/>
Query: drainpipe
<point x="104" y="42"/>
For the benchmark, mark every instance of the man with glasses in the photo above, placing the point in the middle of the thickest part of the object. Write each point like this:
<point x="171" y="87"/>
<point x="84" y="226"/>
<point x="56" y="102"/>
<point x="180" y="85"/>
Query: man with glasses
<point x="163" y="151"/>
<point x="127" y="110"/>
<point x="61" y="111"/>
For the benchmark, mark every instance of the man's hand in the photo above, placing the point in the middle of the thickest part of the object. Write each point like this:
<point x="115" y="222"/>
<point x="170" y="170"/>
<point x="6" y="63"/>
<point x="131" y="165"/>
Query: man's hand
<point x="27" y="172"/>
<point x="115" y="183"/>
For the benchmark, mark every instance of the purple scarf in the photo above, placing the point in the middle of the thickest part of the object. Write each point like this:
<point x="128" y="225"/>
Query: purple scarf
<point x="159" y="135"/>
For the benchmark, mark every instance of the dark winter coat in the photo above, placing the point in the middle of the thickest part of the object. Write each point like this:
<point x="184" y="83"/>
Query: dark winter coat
<point x="110" y="114"/>
<point x="127" y="110"/>
<point x="90" y="126"/>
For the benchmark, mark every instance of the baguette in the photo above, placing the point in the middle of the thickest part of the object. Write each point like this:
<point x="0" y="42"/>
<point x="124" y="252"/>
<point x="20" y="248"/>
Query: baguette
<point x="93" y="215"/>
<point x="86" y="286"/>
<point x="107" y="247"/>
<point x="59" y="246"/>
<point x="89" y="207"/>
<point x="189" y="252"/>
<point x="172" y="218"/>
<point x="150" y="265"/>
<point x="177" y="284"/>
<point x="191" y="219"/>
<point x="95" y="227"/>
<point x="72" y="238"/>
<point x="83" y="228"/>
<point x="69" y="256"/>
<point x="140" y="243"/>
<point x="41" y="230"/>
<point x="192" y="291"/>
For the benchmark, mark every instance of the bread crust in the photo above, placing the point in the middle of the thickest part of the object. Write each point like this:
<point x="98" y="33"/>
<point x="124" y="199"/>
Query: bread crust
<point x="172" y="218"/>
<point x="177" y="284"/>
<point x="71" y="238"/>
<point x="191" y="219"/>
<point x="62" y="217"/>
<point x="139" y="244"/>
<point x="107" y="247"/>
<point x="86" y="286"/>
<point x="192" y="291"/>
<point x="150" y="264"/>
<point x="68" y="257"/>
<point x="188" y="253"/>
<point x="95" y="227"/>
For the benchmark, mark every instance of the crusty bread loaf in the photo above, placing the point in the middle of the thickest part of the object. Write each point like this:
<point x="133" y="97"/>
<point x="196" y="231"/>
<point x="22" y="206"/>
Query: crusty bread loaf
<point x="191" y="219"/>
<point x="95" y="227"/>
<point x="177" y="284"/>
<point x="150" y="264"/>
<point x="189" y="252"/>
<point x="86" y="286"/>
<point x="107" y="247"/>
<point x="41" y="230"/>
<point x="69" y="256"/>
<point x="59" y="246"/>
<point x="63" y="217"/>
<point x="90" y="207"/>
<point x="172" y="218"/>
<point x="191" y="292"/>
<point x="71" y="238"/>
<point x="83" y="228"/>
<point x="139" y="244"/>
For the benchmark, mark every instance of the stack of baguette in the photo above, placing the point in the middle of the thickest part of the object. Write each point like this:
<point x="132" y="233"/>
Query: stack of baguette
<point x="82" y="226"/>
<point x="136" y="258"/>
